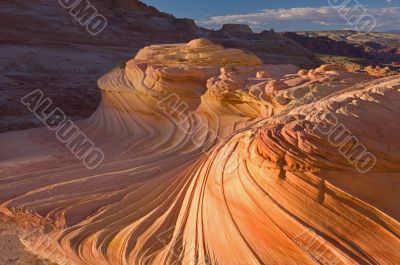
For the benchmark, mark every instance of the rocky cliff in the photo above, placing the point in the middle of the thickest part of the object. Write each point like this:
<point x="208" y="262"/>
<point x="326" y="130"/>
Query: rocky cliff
<point x="377" y="48"/>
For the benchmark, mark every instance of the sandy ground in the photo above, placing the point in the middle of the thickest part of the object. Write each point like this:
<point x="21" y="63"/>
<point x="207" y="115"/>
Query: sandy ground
<point x="12" y="251"/>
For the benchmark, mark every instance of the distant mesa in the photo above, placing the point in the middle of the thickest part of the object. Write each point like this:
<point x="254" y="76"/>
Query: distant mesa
<point x="236" y="30"/>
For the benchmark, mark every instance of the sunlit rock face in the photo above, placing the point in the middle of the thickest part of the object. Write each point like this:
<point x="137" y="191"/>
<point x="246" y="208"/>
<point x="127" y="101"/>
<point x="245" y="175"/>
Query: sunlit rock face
<point x="212" y="157"/>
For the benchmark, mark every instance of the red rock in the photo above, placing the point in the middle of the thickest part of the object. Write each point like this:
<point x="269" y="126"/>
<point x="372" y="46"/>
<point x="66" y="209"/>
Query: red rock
<point x="192" y="153"/>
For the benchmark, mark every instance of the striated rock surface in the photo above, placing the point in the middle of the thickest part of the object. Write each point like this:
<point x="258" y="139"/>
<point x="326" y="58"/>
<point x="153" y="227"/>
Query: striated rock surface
<point x="44" y="46"/>
<point x="205" y="165"/>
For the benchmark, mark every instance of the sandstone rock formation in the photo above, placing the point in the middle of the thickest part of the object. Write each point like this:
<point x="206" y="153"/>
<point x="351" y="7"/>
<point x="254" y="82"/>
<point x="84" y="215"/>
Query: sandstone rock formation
<point x="203" y="165"/>
<point x="44" y="46"/>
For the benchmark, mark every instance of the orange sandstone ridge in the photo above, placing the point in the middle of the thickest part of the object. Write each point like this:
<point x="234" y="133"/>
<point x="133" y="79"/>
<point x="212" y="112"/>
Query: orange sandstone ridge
<point x="212" y="157"/>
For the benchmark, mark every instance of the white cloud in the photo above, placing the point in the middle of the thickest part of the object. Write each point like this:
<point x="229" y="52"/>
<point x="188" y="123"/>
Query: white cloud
<point x="387" y="17"/>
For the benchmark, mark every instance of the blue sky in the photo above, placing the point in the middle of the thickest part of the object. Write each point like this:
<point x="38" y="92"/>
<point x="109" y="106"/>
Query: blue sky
<point x="283" y="15"/>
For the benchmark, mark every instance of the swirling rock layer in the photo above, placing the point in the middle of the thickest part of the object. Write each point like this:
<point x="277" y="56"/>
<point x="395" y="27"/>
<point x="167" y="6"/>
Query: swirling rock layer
<point x="213" y="158"/>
